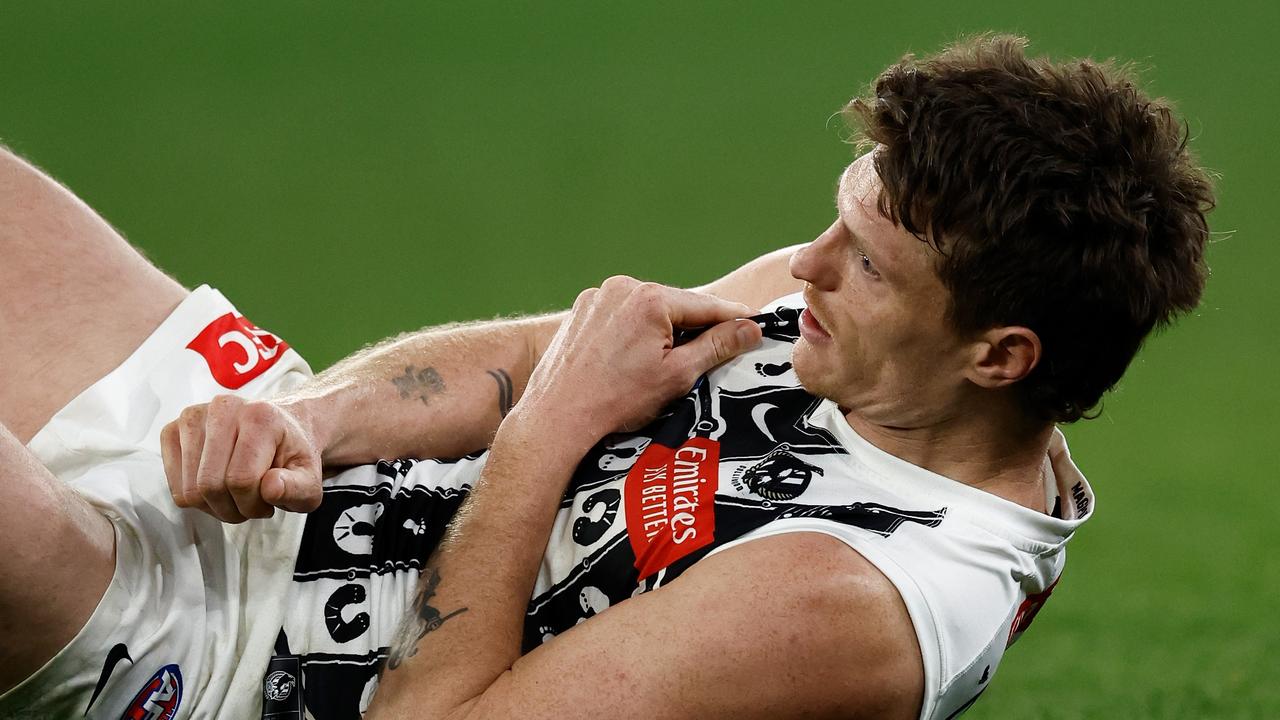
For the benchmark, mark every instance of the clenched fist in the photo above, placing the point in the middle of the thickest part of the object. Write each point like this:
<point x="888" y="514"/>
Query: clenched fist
<point x="238" y="459"/>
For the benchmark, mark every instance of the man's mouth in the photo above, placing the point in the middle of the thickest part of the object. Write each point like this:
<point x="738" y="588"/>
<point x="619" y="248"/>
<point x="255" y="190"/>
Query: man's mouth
<point x="811" y="329"/>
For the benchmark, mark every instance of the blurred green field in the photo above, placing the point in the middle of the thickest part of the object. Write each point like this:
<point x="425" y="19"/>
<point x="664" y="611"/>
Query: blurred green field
<point x="347" y="171"/>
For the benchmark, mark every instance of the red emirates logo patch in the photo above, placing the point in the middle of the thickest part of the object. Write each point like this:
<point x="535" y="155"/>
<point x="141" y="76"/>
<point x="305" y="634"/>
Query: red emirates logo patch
<point x="670" y="500"/>
<point x="236" y="350"/>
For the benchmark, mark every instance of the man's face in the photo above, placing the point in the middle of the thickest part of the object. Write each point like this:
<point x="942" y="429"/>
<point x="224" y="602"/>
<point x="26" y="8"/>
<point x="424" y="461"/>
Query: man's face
<point x="875" y="337"/>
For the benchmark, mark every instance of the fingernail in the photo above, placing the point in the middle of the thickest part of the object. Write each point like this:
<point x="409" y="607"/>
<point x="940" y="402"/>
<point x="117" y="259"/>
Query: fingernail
<point x="747" y="334"/>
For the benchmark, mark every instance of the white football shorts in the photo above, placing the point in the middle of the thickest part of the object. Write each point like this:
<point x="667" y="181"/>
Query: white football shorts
<point x="185" y="604"/>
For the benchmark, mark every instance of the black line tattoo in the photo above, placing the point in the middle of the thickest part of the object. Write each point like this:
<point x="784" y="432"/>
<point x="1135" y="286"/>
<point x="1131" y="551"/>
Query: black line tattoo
<point x="420" y="383"/>
<point x="501" y="377"/>
<point x="425" y="619"/>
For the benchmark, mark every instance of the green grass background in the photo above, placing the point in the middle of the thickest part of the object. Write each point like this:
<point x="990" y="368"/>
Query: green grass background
<point x="347" y="171"/>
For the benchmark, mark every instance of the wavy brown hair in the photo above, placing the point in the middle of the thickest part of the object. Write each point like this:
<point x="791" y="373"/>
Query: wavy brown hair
<point x="1059" y="195"/>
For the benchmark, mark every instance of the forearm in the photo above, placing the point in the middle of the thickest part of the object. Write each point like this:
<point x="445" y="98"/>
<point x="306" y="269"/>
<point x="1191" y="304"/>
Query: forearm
<point x="611" y="364"/>
<point x="464" y="631"/>
<point x="441" y="392"/>
<point x="438" y="392"/>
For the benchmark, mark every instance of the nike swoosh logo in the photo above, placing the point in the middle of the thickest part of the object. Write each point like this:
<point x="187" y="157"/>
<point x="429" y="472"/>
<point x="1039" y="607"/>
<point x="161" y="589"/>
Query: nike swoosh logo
<point x="114" y="656"/>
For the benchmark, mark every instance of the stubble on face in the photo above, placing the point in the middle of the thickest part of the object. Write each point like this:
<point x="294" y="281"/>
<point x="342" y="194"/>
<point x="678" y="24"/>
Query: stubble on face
<point x="887" y="332"/>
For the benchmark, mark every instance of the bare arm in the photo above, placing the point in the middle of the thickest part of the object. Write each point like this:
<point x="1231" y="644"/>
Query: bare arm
<point x="439" y="392"/>
<point x="826" y="613"/>
<point x="792" y="626"/>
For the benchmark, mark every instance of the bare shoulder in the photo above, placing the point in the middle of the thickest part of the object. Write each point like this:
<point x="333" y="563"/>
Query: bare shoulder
<point x="793" y="625"/>
<point x="760" y="281"/>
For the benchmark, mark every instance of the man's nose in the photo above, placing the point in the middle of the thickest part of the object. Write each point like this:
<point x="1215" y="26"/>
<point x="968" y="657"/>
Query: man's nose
<point x="818" y="262"/>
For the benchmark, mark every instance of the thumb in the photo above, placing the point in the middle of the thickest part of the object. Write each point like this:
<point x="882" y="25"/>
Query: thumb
<point x="722" y="342"/>
<point x="294" y="489"/>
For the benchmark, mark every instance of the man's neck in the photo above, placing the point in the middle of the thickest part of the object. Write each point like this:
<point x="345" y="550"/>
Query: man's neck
<point x="988" y="452"/>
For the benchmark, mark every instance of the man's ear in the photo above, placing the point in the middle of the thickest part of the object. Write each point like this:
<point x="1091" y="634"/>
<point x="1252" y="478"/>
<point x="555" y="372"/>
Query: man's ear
<point x="1003" y="356"/>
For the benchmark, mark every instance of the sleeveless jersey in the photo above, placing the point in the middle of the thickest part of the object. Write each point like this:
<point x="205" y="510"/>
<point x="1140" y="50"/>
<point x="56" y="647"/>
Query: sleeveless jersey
<point x="746" y="454"/>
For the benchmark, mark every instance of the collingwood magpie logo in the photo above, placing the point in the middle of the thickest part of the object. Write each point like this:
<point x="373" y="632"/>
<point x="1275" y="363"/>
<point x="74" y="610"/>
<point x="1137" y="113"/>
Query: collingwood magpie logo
<point x="780" y="475"/>
<point x="278" y="685"/>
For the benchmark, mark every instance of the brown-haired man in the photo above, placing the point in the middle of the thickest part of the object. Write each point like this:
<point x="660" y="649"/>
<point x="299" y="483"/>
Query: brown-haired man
<point x="995" y="262"/>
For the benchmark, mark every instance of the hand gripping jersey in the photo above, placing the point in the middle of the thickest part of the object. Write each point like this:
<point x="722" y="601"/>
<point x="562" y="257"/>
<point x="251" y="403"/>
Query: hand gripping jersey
<point x="746" y="454"/>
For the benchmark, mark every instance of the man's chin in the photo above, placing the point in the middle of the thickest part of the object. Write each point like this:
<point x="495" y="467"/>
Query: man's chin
<point x="809" y="372"/>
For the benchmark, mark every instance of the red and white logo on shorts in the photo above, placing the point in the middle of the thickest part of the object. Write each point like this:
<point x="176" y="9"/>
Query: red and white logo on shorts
<point x="159" y="699"/>
<point x="237" y="350"/>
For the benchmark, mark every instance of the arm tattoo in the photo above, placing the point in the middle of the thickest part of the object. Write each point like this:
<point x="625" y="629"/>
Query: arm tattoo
<point x="505" y="403"/>
<point x="423" y="620"/>
<point x="420" y="383"/>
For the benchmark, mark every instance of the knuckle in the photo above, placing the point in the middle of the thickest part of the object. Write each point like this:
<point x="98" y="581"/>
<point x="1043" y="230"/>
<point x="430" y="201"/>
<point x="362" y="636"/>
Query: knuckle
<point x="647" y="292"/>
<point x="619" y="287"/>
<point x="646" y="288"/>
<point x="584" y="298"/>
<point x="222" y="411"/>
<point x="618" y="282"/>
<point x="210" y="485"/>
<point x="720" y="348"/>
<point x="259" y="413"/>
<point x="223" y="403"/>
<point x="646" y="297"/>
<point x="241" y="482"/>
<point x="191" y="417"/>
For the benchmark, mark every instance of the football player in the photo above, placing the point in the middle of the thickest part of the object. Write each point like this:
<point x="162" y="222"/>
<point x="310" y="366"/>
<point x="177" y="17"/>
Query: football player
<point x="854" y="518"/>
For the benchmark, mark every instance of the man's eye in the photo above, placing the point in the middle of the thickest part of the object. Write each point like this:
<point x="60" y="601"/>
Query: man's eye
<point x="867" y="267"/>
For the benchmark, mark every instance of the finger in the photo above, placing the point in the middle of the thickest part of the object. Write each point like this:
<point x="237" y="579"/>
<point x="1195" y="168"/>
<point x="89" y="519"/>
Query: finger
<point x="190" y="432"/>
<point x="687" y="308"/>
<point x="220" y="434"/>
<point x="171" y="454"/>
<point x="250" y="461"/>
<point x="584" y="298"/>
<point x="191" y="443"/>
<point x="723" y="342"/>
<point x="260" y="437"/>
<point x="294" y="489"/>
